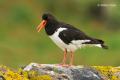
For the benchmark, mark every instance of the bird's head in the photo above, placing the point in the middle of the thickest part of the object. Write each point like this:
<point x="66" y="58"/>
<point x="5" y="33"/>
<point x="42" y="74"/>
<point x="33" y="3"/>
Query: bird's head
<point x="45" y="18"/>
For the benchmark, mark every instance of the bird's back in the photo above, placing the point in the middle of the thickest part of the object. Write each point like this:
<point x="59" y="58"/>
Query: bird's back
<point x="73" y="34"/>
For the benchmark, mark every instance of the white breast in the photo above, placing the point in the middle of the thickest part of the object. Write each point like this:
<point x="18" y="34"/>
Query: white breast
<point x="57" y="40"/>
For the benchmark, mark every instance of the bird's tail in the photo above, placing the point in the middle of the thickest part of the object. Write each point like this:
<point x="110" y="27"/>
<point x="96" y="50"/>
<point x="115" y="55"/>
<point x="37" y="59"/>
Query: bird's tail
<point x="102" y="44"/>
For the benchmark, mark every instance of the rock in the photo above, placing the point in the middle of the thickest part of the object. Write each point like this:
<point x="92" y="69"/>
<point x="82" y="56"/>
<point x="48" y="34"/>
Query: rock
<point x="2" y="78"/>
<point x="35" y="71"/>
<point x="58" y="72"/>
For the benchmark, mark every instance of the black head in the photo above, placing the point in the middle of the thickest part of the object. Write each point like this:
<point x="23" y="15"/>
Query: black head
<point x="48" y="21"/>
<point x="47" y="16"/>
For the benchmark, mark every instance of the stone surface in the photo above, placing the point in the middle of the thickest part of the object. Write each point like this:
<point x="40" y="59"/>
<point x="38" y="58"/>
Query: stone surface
<point x="58" y="72"/>
<point x="36" y="71"/>
<point x="2" y="78"/>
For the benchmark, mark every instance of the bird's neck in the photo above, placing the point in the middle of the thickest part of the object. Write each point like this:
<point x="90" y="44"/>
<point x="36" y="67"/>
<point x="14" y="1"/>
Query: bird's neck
<point x="51" y="27"/>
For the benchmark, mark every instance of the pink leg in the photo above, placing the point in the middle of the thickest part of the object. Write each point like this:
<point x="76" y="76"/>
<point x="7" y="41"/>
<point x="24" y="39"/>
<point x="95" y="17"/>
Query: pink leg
<point x="71" y="58"/>
<point x="64" y="58"/>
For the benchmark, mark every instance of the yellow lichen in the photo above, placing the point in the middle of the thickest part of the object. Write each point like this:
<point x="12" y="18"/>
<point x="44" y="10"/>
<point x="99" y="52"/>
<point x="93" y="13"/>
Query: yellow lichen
<point x="42" y="77"/>
<point x="9" y="74"/>
<point x="108" y="72"/>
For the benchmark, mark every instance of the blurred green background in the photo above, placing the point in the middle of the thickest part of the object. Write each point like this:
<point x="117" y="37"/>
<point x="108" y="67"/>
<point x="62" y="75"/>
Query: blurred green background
<point x="21" y="44"/>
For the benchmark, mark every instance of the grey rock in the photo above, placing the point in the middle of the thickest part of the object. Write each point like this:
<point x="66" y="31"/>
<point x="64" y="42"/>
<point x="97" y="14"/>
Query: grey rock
<point x="2" y="78"/>
<point x="64" y="73"/>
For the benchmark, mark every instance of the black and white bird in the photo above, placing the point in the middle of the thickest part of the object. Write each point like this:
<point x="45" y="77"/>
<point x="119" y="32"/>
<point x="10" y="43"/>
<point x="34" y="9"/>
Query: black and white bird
<point x="67" y="37"/>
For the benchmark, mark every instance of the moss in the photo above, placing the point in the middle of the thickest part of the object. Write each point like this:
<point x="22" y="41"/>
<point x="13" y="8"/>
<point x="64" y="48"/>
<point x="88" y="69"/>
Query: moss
<point x="109" y="72"/>
<point x="10" y="74"/>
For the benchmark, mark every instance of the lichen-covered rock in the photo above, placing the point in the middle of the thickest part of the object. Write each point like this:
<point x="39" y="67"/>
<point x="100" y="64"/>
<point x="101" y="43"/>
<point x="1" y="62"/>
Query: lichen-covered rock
<point x="9" y="74"/>
<point x="108" y="72"/>
<point x="58" y="72"/>
<point x="36" y="71"/>
<point x="65" y="73"/>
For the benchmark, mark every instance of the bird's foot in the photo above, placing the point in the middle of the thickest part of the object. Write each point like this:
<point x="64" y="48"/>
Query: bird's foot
<point x="70" y="65"/>
<point x="63" y="65"/>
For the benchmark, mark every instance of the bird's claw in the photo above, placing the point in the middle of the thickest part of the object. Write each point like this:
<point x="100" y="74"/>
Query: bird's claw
<point x="65" y="65"/>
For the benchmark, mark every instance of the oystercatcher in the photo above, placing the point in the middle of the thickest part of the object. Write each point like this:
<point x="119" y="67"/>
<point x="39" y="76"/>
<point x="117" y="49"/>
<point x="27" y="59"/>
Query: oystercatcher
<point x="67" y="37"/>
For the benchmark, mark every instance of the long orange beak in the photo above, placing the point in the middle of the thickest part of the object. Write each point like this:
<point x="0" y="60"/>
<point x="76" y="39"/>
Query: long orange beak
<point x="41" y="25"/>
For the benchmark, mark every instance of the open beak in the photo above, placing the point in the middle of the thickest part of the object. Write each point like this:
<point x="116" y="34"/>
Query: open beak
<point x="41" y="25"/>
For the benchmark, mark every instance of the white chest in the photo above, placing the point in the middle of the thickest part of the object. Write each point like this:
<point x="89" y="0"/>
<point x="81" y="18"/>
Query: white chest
<point x="57" y="40"/>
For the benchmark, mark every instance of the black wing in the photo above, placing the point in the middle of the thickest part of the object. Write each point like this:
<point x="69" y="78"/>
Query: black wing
<point x="72" y="33"/>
